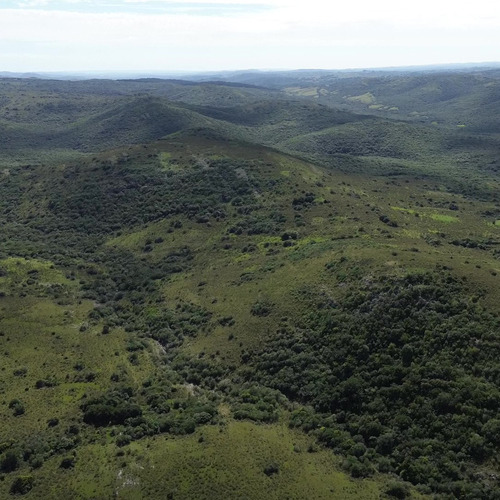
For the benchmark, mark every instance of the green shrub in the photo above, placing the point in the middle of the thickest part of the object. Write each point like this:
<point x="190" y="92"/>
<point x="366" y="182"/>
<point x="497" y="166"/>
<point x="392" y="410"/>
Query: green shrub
<point x="398" y="490"/>
<point x="271" y="469"/>
<point x="22" y="485"/>
<point x="112" y="408"/>
<point x="262" y="307"/>
<point x="9" y="462"/>
<point x="67" y="463"/>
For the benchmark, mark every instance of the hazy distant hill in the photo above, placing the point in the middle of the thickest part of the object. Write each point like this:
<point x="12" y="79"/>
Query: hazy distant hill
<point x="60" y="114"/>
<point x="459" y="96"/>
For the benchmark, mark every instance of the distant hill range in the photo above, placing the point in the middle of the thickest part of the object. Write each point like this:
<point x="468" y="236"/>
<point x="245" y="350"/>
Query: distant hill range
<point x="240" y="75"/>
<point x="316" y="114"/>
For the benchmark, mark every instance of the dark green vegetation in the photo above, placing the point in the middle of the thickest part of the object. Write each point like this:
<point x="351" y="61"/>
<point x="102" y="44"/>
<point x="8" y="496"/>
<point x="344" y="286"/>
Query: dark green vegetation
<point x="402" y="375"/>
<point x="221" y="291"/>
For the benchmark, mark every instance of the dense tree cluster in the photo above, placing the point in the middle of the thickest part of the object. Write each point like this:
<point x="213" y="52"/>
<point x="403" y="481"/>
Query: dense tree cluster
<point x="159" y="407"/>
<point x="401" y="376"/>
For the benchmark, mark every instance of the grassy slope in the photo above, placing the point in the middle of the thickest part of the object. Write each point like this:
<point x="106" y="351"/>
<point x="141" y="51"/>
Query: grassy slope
<point x="228" y="462"/>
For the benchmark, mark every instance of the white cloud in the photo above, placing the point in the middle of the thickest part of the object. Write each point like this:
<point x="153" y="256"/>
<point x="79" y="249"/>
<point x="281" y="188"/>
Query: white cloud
<point x="287" y="34"/>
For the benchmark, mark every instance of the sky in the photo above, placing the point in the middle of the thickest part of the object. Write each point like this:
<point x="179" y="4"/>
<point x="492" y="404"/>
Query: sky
<point x="212" y="35"/>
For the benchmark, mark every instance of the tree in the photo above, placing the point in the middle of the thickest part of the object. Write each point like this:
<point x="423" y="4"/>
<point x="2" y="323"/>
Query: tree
<point x="407" y="355"/>
<point x="9" y="462"/>
<point x="22" y="485"/>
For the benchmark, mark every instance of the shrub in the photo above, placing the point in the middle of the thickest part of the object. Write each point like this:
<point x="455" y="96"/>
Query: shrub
<point x="112" y="408"/>
<point x="271" y="469"/>
<point x="52" y="422"/>
<point x="491" y="431"/>
<point x="17" y="407"/>
<point x="123" y="440"/>
<point x="9" y="462"/>
<point x="261" y="308"/>
<point x="67" y="463"/>
<point x="22" y="485"/>
<point x="398" y="490"/>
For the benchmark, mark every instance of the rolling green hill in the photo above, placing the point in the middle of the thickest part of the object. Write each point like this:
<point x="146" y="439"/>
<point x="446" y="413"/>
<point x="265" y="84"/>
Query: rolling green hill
<point x="462" y="97"/>
<point x="47" y="121"/>
<point x="264" y="298"/>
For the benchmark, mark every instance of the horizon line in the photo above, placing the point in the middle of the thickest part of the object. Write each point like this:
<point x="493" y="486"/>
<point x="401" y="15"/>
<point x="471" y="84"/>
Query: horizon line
<point x="242" y="70"/>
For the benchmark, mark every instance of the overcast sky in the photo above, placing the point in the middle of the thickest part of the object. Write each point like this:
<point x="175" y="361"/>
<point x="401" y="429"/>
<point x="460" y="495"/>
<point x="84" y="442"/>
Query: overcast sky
<point x="163" y="35"/>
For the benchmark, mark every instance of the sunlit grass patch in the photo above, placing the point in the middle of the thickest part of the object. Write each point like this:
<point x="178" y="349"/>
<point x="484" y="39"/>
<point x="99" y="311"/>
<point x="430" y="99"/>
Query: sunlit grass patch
<point x="243" y="257"/>
<point x="310" y="246"/>
<point x="407" y="210"/>
<point x="367" y="98"/>
<point x="230" y="463"/>
<point x="444" y="218"/>
<point x="318" y="221"/>
<point x="268" y="241"/>
<point x="302" y="91"/>
<point x="21" y="266"/>
<point x="411" y="233"/>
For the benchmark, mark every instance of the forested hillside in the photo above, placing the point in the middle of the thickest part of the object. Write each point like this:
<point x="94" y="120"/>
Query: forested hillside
<point x="228" y="290"/>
